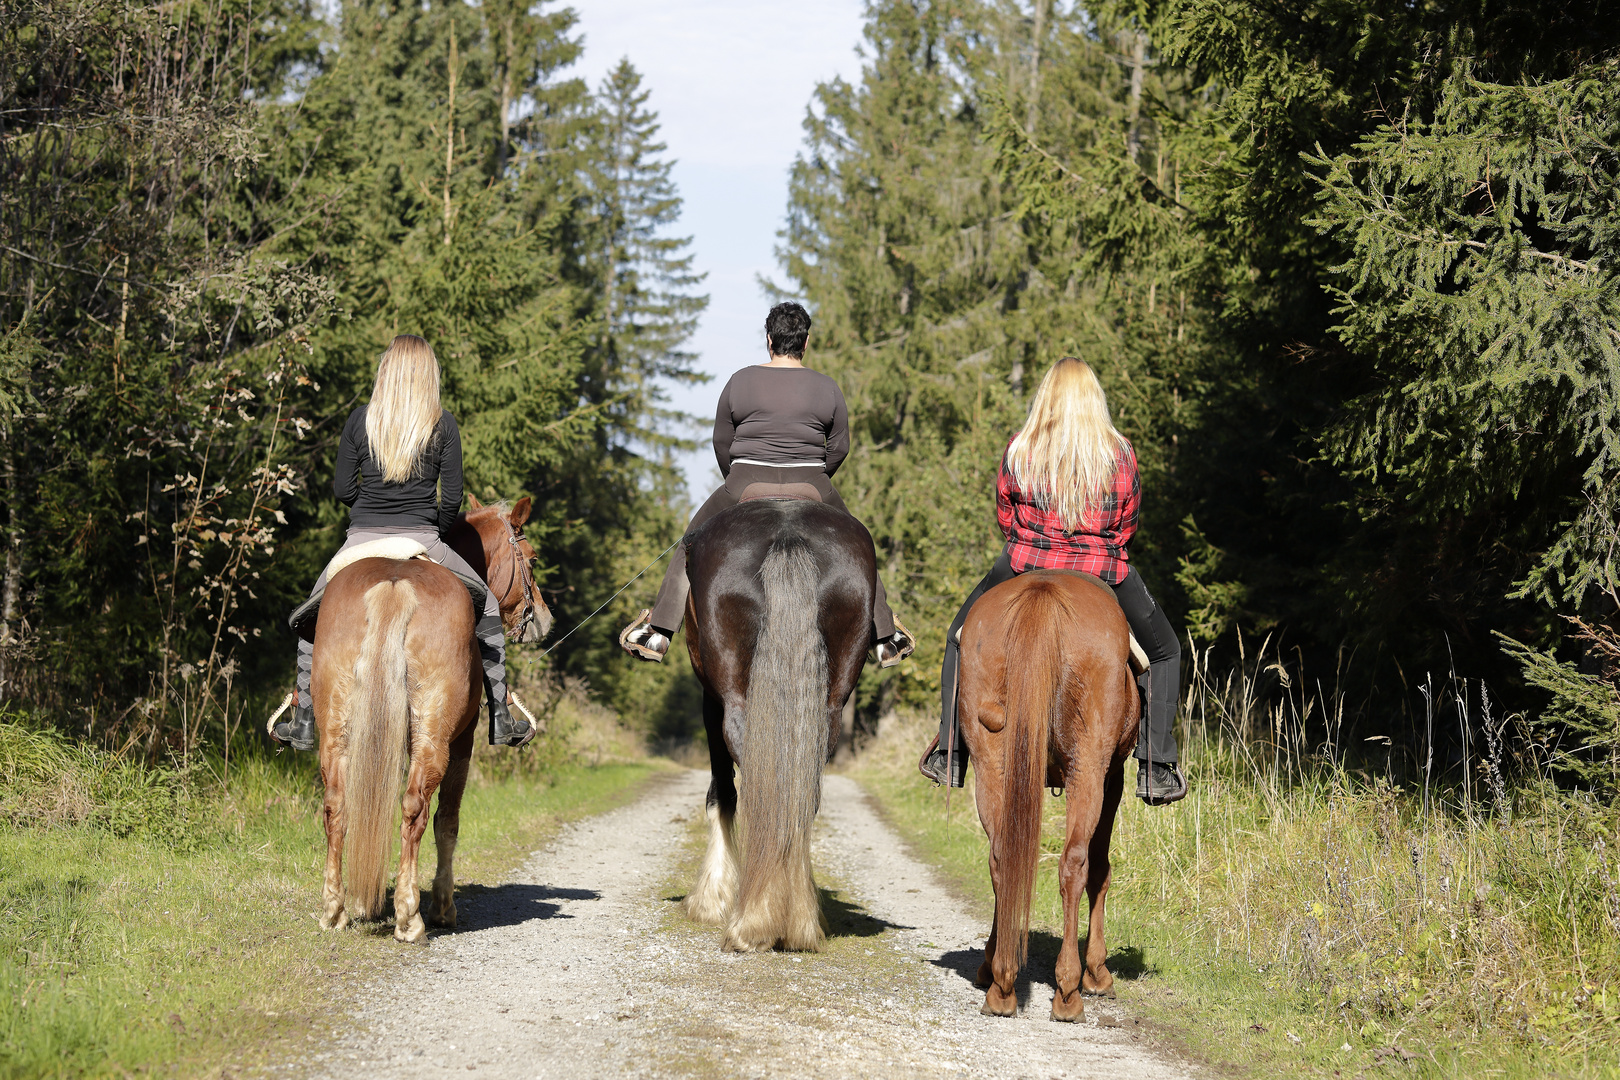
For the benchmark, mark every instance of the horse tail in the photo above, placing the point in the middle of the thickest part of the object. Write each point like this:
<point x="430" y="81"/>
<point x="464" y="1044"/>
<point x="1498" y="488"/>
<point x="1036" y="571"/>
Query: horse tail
<point x="784" y="747"/>
<point x="1036" y="621"/>
<point x="378" y="729"/>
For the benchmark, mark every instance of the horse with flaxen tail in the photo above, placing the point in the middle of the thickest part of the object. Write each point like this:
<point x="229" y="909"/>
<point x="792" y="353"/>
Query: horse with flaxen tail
<point x="778" y="625"/>
<point x="1046" y="698"/>
<point x="396" y="686"/>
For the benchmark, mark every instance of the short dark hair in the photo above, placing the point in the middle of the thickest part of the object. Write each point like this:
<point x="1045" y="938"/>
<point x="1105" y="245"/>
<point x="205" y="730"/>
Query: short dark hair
<point x="786" y="329"/>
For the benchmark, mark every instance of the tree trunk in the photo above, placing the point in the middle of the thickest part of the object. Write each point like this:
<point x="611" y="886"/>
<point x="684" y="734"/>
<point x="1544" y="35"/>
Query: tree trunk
<point x="1038" y="37"/>
<point x="1138" y="58"/>
<point x="12" y="584"/>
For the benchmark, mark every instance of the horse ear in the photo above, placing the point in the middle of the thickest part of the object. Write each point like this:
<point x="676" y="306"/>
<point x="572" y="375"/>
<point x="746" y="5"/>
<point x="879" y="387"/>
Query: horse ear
<point x="473" y="503"/>
<point x="520" y="513"/>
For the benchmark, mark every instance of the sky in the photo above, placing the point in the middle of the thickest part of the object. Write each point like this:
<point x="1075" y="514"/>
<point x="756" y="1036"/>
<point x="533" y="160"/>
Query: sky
<point x="730" y="81"/>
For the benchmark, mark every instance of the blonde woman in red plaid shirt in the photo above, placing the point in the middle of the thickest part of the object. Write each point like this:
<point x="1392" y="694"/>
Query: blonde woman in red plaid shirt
<point x="1067" y="498"/>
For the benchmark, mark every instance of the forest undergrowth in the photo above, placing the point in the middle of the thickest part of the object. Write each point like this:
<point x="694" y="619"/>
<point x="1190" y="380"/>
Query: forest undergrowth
<point x="162" y="919"/>
<point x="1317" y="906"/>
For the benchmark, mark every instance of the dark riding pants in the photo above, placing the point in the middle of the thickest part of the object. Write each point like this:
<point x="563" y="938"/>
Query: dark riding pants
<point x="1152" y="630"/>
<point x="669" y="609"/>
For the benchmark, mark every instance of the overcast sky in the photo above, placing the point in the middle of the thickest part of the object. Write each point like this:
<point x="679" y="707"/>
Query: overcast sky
<point x="730" y="81"/>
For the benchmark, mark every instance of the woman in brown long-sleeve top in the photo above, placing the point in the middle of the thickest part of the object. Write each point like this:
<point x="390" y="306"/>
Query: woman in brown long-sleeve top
<point x="779" y="424"/>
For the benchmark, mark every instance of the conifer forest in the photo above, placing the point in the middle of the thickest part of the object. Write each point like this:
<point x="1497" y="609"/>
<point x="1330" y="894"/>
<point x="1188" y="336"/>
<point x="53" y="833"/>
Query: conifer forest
<point x="1349" y="272"/>
<point x="1344" y="268"/>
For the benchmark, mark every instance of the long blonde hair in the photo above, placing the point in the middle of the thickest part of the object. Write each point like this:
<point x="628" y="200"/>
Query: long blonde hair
<point x="404" y="406"/>
<point x="1066" y="455"/>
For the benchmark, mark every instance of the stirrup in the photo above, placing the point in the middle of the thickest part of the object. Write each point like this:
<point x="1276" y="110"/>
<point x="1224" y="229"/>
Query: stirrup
<point x="896" y="647"/>
<point x="936" y="770"/>
<point x="503" y="711"/>
<point x="640" y="639"/>
<point x="297" y="732"/>
<point x="1144" y="783"/>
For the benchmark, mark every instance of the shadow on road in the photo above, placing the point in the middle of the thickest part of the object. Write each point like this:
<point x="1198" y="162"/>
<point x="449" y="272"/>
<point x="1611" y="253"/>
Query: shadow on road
<point x="480" y="907"/>
<point x="1125" y="963"/>
<point x="844" y="919"/>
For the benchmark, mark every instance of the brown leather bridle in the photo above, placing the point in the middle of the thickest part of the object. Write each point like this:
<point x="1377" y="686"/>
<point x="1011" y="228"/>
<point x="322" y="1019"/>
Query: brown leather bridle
<point x="518" y="576"/>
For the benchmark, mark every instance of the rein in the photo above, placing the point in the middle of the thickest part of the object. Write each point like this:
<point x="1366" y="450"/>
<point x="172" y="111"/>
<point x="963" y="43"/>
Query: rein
<point x="614" y="597"/>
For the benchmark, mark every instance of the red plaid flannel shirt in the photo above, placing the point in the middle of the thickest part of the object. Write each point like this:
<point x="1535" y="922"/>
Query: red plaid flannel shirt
<point x="1036" y="539"/>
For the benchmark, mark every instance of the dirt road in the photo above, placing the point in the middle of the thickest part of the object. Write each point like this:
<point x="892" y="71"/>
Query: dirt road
<point x="583" y="965"/>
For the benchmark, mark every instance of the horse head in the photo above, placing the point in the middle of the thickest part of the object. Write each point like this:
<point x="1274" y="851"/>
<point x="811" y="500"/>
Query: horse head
<point x="505" y="557"/>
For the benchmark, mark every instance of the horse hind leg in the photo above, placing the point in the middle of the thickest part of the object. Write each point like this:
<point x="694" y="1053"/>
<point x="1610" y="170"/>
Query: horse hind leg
<point x="1097" y="978"/>
<point x="447" y="826"/>
<point x="429" y="759"/>
<point x="334" y="815"/>
<point x="712" y="895"/>
<point x="711" y="898"/>
<point x="334" y="914"/>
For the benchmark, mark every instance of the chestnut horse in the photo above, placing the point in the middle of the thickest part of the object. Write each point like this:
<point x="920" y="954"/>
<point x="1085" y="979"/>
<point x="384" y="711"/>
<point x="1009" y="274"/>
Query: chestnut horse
<point x="397" y="683"/>
<point x="778" y="624"/>
<point x="1046" y="697"/>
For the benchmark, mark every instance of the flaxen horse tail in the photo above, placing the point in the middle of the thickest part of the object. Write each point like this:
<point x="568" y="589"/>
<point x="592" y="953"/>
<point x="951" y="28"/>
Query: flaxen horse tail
<point x="1036" y="621"/>
<point x="784" y="747"/>
<point x="377" y="728"/>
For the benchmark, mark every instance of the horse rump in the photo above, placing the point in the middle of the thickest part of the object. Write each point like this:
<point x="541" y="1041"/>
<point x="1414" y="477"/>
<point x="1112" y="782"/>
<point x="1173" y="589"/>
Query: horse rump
<point x="376" y="728"/>
<point x="784" y="747"/>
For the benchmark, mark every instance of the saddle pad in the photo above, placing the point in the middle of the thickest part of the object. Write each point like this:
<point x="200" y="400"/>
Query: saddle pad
<point x="761" y="489"/>
<point x="303" y="617"/>
<point x="387" y="547"/>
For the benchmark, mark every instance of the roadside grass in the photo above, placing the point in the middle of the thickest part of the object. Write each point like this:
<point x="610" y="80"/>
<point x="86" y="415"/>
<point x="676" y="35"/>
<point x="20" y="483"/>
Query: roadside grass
<point x="1294" y="914"/>
<point x="158" y="922"/>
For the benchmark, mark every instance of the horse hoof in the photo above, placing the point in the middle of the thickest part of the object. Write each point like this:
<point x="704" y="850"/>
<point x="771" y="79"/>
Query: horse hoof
<point x="1068" y="1008"/>
<point x="445" y="916"/>
<point x="412" y="932"/>
<point x="998" y="1004"/>
<point x="1103" y="987"/>
<point x="984" y="978"/>
<point x="335" y="920"/>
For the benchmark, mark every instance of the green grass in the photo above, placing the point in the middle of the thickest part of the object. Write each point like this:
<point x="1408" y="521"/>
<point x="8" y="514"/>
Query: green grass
<point x="1323" y="924"/>
<point x="188" y="946"/>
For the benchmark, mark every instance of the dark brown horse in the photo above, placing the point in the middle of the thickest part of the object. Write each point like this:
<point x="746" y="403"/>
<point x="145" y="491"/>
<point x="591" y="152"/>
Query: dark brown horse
<point x="778" y="624"/>
<point x="1046" y="697"/>
<point x="397" y="681"/>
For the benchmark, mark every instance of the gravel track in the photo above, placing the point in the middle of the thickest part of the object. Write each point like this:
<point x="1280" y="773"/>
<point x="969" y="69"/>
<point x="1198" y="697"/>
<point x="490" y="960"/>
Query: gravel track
<point x="583" y="965"/>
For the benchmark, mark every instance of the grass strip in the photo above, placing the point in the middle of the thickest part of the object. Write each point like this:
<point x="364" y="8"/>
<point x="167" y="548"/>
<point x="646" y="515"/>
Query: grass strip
<point x="197" y="953"/>
<point x="1326" y="926"/>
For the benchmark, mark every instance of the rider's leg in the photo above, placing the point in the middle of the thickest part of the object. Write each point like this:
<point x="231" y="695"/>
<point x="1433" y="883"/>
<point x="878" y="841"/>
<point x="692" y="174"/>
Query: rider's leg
<point x="1158" y="780"/>
<point x="296" y="727"/>
<point x="648" y="637"/>
<point x="934" y="758"/>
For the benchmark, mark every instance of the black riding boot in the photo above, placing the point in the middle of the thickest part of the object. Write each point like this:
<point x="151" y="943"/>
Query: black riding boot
<point x="504" y="728"/>
<point x="296" y="726"/>
<point x="1158" y="779"/>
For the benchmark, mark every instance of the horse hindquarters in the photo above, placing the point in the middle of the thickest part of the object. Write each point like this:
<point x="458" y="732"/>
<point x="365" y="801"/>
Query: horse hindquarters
<point x="784" y="747"/>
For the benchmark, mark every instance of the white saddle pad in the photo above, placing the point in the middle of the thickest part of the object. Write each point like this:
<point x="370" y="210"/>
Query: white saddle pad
<point x="389" y="547"/>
